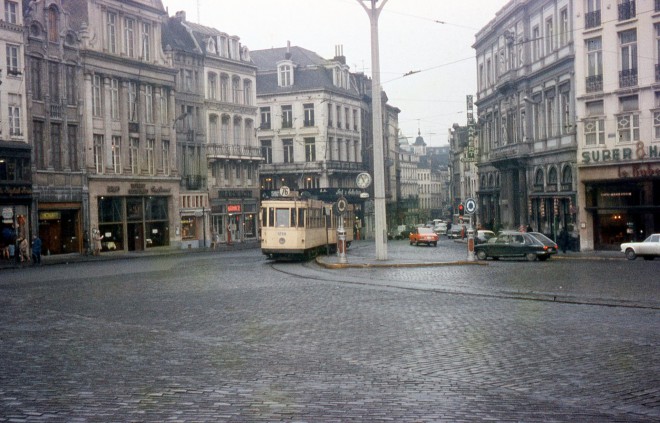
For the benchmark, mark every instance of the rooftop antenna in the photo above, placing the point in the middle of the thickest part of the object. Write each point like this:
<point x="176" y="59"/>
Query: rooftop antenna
<point x="198" y="13"/>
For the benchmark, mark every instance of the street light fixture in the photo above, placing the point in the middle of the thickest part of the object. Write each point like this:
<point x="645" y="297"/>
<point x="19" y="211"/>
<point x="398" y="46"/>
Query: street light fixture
<point x="377" y="127"/>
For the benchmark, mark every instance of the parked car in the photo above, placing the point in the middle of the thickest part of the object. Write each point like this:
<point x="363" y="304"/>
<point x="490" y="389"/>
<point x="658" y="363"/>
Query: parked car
<point x="483" y="236"/>
<point x="423" y="236"/>
<point x="400" y="232"/>
<point x="517" y="244"/>
<point x="648" y="249"/>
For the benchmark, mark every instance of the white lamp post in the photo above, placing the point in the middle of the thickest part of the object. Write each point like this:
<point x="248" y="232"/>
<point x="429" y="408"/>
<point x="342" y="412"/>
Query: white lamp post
<point x="377" y="128"/>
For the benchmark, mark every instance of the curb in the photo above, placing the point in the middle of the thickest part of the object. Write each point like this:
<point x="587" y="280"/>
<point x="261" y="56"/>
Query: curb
<point x="321" y="263"/>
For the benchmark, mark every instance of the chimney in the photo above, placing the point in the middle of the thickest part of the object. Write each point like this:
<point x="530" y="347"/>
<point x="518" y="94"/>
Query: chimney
<point x="287" y="56"/>
<point x="181" y="15"/>
<point x="339" y="54"/>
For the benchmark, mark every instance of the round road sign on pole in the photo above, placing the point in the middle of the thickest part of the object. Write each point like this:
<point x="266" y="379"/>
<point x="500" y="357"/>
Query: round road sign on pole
<point x="470" y="206"/>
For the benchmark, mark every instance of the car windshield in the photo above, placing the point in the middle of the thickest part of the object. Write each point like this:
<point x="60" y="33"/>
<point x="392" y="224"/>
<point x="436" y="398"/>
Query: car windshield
<point x="425" y="230"/>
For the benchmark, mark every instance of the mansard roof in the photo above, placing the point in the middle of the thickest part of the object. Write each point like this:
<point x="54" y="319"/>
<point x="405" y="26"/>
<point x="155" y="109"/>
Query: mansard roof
<point x="311" y="71"/>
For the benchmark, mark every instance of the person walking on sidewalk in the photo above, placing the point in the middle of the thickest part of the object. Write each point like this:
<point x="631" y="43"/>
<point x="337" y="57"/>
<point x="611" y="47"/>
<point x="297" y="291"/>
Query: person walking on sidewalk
<point x="96" y="239"/>
<point x="36" y="250"/>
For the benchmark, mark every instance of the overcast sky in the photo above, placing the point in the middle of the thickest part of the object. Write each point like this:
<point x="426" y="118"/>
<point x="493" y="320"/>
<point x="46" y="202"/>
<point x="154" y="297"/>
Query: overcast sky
<point x="430" y="36"/>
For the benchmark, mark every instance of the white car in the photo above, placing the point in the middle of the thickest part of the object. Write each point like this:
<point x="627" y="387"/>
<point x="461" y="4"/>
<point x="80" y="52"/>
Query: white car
<point x="649" y="248"/>
<point x="440" y="228"/>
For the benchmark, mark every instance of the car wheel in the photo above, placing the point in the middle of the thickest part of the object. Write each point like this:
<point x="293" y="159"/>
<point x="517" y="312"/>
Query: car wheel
<point x="531" y="257"/>
<point x="630" y="254"/>
<point x="481" y="255"/>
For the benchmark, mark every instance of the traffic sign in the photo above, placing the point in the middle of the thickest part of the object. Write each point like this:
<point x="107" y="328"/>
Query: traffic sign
<point x="341" y="205"/>
<point x="470" y="206"/>
<point x="285" y="191"/>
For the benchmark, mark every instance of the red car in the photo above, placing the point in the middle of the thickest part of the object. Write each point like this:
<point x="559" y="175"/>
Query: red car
<point x="423" y="236"/>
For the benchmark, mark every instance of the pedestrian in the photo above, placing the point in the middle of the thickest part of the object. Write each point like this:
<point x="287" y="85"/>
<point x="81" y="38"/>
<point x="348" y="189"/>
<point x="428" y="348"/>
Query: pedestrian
<point x="563" y="240"/>
<point x="96" y="239"/>
<point x="23" y="247"/>
<point x="215" y="240"/>
<point x="529" y="228"/>
<point x="36" y="250"/>
<point x="86" y="243"/>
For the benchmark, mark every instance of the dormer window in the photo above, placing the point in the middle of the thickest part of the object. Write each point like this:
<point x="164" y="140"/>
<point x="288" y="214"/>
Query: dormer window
<point x="211" y="46"/>
<point x="285" y="75"/>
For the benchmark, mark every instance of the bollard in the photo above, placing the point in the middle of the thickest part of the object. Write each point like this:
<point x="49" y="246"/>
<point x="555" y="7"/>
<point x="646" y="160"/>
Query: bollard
<point x="341" y="245"/>
<point x="470" y="243"/>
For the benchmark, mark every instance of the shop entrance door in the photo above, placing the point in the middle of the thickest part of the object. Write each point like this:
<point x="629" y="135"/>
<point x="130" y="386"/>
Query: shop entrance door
<point x="136" y="234"/>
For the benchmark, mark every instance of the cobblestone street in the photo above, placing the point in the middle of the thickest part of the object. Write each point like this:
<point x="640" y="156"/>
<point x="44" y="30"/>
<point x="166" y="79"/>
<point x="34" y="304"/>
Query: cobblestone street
<point x="232" y="337"/>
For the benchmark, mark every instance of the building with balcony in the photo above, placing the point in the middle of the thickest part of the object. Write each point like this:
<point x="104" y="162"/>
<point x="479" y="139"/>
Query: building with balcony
<point x="618" y="106"/>
<point x="216" y="133"/>
<point x="16" y="207"/>
<point x="526" y="157"/>
<point x="127" y="118"/>
<point x="310" y="123"/>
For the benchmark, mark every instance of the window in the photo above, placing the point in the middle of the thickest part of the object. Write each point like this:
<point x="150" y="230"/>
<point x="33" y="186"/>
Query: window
<point x="56" y="146"/>
<point x="267" y="151"/>
<point x="550" y="110"/>
<point x="347" y="118"/>
<point x="39" y="145"/>
<point x="146" y="42"/>
<point x="247" y="92"/>
<point x="552" y="176"/>
<point x="330" y="108"/>
<point x="165" y="156"/>
<point x="285" y="77"/>
<point x="594" y="125"/>
<point x="53" y="24"/>
<point x="54" y="81"/>
<point x="213" y="129"/>
<point x="235" y="90"/>
<point x="70" y="85"/>
<point x="129" y="37"/>
<point x="237" y="131"/>
<point x="564" y="109"/>
<point x="564" y="33"/>
<point x="15" y="115"/>
<point x="134" y="155"/>
<point x="116" y="154"/>
<point x="187" y="80"/>
<point x="11" y="8"/>
<point x="149" y="103"/>
<point x="338" y="115"/>
<point x="224" y="88"/>
<point x="132" y="102"/>
<point x="594" y="80"/>
<point x="114" y="98"/>
<point x="36" y="78"/>
<point x="536" y="43"/>
<point x="13" y="65"/>
<point x="628" y="49"/>
<point x="72" y="134"/>
<point x="111" y="32"/>
<point x="309" y="114"/>
<point x="151" y="164"/>
<point x="538" y="178"/>
<point x="212" y="86"/>
<point x="628" y="121"/>
<point x="549" y="36"/>
<point x="265" y="117"/>
<point x="287" y="117"/>
<point x="98" y="153"/>
<point x="592" y="17"/>
<point x="310" y="150"/>
<point x="287" y="146"/>
<point x="626" y="9"/>
<point x="96" y="95"/>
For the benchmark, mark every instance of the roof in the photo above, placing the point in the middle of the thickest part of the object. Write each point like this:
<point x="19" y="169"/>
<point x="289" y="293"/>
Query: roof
<point x="266" y="60"/>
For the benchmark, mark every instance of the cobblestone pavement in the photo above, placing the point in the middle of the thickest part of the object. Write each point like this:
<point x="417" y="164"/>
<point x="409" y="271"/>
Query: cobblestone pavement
<point x="213" y="337"/>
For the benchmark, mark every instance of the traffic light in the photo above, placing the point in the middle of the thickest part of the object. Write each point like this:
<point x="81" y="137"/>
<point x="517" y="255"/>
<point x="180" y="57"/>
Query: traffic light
<point x="461" y="209"/>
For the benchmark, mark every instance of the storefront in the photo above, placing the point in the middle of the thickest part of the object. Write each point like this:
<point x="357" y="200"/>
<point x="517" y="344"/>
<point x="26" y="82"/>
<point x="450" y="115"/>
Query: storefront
<point x="622" y="203"/>
<point x="134" y="216"/>
<point x="194" y="211"/>
<point x="15" y="195"/>
<point x="234" y="215"/>
<point x="60" y="228"/>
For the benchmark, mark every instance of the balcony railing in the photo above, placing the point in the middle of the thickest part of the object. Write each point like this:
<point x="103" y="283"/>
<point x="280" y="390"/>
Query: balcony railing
<point x="55" y="111"/>
<point x="627" y="10"/>
<point x="594" y="83"/>
<point x="628" y="78"/>
<point x="337" y="165"/>
<point x="194" y="182"/>
<point x="592" y="19"/>
<point x="232" y="151"/>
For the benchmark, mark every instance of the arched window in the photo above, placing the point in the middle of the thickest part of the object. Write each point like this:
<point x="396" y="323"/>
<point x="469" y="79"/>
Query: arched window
<point x="236" y="90"/>
<point x="491" y="180"/>
<point x="567" y="175"/>
<point x="224" y="130"/>
<point x="538" y="178"/>
<point x="213" y="129"/>
<point x="53" y="24"/>
<point x="552" y="176"/>
<point x="237" y="130"/>
<point x="249" y="132"/>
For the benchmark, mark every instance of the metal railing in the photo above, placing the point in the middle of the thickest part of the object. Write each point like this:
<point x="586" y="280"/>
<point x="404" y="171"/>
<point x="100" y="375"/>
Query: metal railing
<point x="229" y="151"/>
<point x="594" y="83"/>
<point x="592" y="19"/>
<point x="628" y="78"/>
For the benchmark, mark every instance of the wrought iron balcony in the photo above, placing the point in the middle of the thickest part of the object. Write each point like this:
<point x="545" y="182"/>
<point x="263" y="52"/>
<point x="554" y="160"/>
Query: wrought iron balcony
<point x="628" y="78"/>
<point x="194" y="182"/>
<point x="592" y="19"/>
<point x="627" y="10"/>
<point x="594" y="83"/>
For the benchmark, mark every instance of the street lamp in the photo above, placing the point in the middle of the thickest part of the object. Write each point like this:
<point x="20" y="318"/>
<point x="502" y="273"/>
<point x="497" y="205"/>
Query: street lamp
<point x="377" y="128"/>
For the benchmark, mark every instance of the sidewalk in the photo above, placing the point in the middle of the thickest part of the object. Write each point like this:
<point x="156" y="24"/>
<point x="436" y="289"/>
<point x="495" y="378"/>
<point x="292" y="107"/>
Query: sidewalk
<point x="116" y="255"/>
<point x="362" y="254"/>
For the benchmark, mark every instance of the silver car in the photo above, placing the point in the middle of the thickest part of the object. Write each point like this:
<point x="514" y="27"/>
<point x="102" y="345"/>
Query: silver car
<point x="648" y="249"/>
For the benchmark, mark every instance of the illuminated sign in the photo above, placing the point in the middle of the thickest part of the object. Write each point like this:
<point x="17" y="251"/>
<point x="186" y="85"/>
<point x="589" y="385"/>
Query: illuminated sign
<point x="233" y="208"/>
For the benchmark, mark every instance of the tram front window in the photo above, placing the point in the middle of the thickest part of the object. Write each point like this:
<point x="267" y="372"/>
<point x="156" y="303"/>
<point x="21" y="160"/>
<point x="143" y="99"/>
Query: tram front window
<point x="282" y="218"/>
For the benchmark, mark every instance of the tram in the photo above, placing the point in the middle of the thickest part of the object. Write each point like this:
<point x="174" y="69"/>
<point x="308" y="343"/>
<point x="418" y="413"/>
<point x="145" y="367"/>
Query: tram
<point x="301" y="228"/>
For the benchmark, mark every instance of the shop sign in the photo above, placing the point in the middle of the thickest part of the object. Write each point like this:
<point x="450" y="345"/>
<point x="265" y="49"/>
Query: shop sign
<point x="639" y="171"/>
<point x="160" y="190"/>
<point x="7" y="213"/>
<point x="11" y="191"/>
<point x="111" y="189"/>
<point x="620" y="154"/>
<point x="235" y="193"/>
<point x="49" y="215"/>
<point x="138" y="189"/>
<point x="233" y="208"/>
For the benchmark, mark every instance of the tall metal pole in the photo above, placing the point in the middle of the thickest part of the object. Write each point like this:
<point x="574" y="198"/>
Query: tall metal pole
<point x="377" y="129"/>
